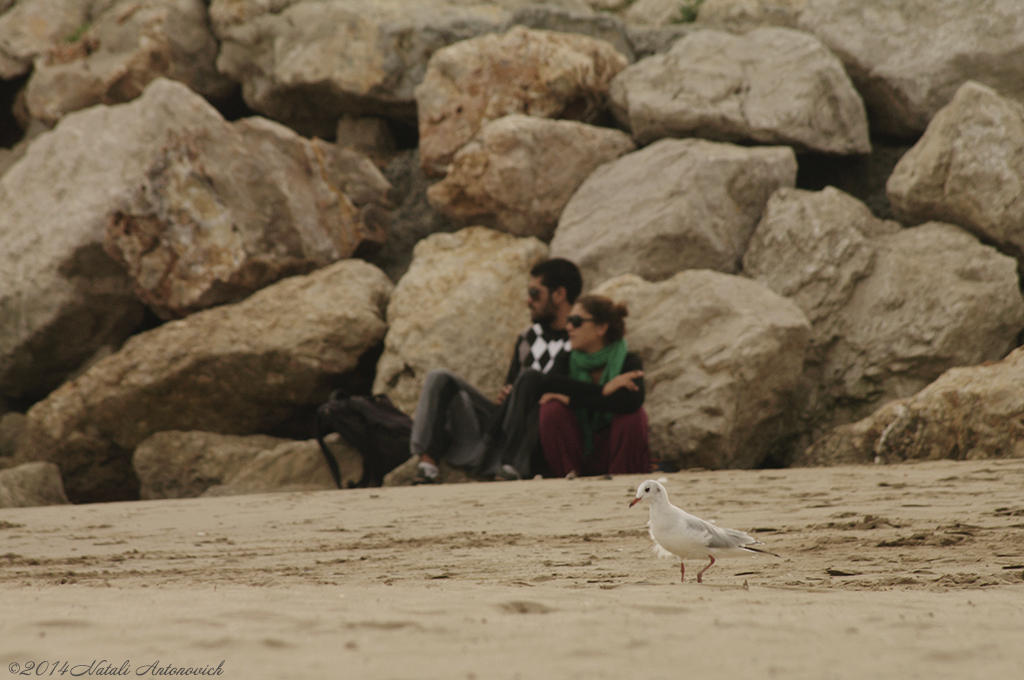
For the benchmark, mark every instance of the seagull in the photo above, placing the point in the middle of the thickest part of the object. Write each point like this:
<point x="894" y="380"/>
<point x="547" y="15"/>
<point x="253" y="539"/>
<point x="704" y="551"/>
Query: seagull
<point x="676" y="532"/>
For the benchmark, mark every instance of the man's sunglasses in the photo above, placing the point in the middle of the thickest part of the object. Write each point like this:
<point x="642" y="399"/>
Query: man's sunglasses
<point x="576" y="320"/>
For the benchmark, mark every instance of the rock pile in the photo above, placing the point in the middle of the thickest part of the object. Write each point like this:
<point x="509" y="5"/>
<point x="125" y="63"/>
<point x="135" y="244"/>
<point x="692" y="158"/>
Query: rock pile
<point x="217" y="213"/>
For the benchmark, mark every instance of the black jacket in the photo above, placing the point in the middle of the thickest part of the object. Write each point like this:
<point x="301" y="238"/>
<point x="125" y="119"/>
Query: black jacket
<point x="588" y="395"/>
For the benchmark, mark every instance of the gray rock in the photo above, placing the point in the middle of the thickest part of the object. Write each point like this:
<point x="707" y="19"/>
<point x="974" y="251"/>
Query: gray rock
<point x="235" y="369"/>
<point x="12" y="424"/>
<point x="908" y="57"/>
<point x="600" y="24"/>
<point x="723" y="358"/>
<point x="740" y="16"/>
<point x="770" y="86"/>
<point x="306" y="64"/>
<point x="536" y="73"/>
<point x="127" y="45"/>
<point x="459" y="306"/>
<point x="31" y="485"/>
<point x="676" y="204"/>
<point x="176" y="464"/>
<point x="412" y="219"/>
<point x="890" y="308"/>
<point x="968" y="169"/>
<point x="518" y="172"/>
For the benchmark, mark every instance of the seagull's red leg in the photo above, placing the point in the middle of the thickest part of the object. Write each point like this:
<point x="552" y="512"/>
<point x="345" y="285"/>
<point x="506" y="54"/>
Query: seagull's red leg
<point x="682" y="571"/>
<point x="701" y="572"/>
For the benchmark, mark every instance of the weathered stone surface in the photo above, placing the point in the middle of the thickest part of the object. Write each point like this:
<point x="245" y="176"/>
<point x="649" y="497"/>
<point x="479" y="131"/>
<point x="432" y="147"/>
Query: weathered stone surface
<point x="599" y="24"/>
<point x="30" y="485"/>
<point x="235" y="369"/>
<point x="723" y="358"/>
<point x="459" y="306"/>
<point x="518" y="172"/>
<point x="908" y="57"/>
<point x="29" y="28"/>
<point x="126" y="46"/>
<point x="676" y="204"/>
<point x="11" y="426"/>
<point x="176" y="464"/>
<point x="891" y="308"/>
<point x="770" y="86"/>
<point x="62" y="297"/>
<point x="740" y="16"/>
<point x="412" y="219"/>
<point x="968" y="169"/>
<point x="969" y="413"/>
<point x="233" y="207"/>
<point x="659" y="12"/>
<point x="306" y="64"/>
<point x="536" y="73"/>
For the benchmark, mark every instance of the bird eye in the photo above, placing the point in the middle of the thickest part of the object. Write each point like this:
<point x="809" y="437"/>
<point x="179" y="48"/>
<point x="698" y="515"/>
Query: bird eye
<point x="647" y="489"/>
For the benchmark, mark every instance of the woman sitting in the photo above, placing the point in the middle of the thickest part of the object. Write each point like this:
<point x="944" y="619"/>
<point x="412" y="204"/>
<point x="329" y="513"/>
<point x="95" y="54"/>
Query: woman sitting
<point x="592" y="420"/>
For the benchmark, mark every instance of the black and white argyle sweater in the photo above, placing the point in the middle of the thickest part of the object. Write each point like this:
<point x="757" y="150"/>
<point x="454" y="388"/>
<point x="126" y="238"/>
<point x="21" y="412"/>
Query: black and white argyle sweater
<point x="537" y="347"/>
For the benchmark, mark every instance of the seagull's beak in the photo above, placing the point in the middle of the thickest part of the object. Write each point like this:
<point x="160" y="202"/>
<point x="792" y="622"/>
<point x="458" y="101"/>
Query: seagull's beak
<point x="634" y="502"/>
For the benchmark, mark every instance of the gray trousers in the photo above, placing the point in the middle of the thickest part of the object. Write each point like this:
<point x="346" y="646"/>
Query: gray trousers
<point x="456" y="423"/>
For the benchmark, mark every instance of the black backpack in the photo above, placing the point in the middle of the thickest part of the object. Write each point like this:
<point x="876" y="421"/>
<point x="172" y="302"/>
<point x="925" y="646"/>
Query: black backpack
<point x="373" y="425"/>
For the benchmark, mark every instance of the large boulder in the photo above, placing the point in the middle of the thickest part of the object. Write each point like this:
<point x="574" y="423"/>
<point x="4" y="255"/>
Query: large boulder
<point x="740" y="16"/>
<point x="235" y="369"/>
<point x="518" y="172"/>
<point x="306" y="64"/>
<point x="770" y="86"/>
<point x="459" y="306"/>
<point x="237" y="206"/>
<point x="175" y="464"/>
<point x="969" y="413"/>
<point x="968" y="169"/>
<point x="908" y="57"/>
<point x="30" y="28"/>
<point x="676" y="204"/>
<point x="723" y="358"/>
<point x="890" y="308"/>
<point x="124" y="48"/>
<point x="536" y="73"/>
<point x="30" y="485"/>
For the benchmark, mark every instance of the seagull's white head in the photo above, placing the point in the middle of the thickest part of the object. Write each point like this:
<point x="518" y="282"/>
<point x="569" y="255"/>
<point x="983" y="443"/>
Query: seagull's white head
<point x="651" y="490"/>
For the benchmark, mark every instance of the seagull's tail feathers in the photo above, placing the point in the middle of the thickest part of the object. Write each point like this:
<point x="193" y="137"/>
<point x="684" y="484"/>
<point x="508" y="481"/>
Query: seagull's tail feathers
<point x="760" y="550"/>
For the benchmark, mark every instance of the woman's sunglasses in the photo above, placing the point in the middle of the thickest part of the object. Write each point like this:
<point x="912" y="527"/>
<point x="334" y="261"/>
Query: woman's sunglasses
<point x="576" y="320"/>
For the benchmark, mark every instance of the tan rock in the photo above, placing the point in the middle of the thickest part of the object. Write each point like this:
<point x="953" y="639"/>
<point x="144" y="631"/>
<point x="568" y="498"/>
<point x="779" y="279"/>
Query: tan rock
<point x="676" y="204"/>
<point x="909" y="57"/>
<point x="891" y="308"/>
<point x="535" y="73"/>
<point x="770" y="86"/>
<point x="31" y="485"/>
<point x="459" y="306"/>
<point x="969" y="413"/>
<point x="518" y="172"/>
<point x="176" y="464"/>
<point x="127" y="46"/>
<point x="723" y="358"/>
<point x="235" y="369"/>
<point x="968" y="169"/>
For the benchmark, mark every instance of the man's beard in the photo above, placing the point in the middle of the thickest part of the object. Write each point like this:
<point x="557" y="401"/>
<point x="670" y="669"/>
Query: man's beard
<point x="546" y="314"/>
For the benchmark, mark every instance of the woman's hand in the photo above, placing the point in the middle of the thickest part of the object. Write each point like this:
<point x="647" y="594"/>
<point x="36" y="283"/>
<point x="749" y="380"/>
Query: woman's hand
<point x="552" y="396"/>
<point x="622" y="380"/>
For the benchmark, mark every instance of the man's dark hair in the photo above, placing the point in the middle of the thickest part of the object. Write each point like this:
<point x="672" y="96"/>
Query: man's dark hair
<point x="559" y="273"/>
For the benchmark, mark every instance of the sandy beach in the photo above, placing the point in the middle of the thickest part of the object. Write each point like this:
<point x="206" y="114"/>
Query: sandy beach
<point x="908" y="571"/>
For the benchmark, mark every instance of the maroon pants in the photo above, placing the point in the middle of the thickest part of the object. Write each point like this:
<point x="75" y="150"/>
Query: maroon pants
<point x="620" y="449"/>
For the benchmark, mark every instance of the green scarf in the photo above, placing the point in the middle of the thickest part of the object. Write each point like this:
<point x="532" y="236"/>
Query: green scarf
<point x="611" y="357"/>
